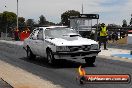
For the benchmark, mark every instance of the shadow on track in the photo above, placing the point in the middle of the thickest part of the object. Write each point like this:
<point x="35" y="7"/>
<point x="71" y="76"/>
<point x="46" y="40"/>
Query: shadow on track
<point x="61" y="63"/>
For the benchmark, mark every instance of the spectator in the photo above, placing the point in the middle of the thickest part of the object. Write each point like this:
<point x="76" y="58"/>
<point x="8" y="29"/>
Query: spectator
<point x="103" y="36"/>
<point x="16" y="34"/>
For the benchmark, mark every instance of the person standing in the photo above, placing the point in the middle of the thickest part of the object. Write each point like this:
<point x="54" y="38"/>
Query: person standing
<point x="114" y="36"/>
<point x="16" y="34"/>
<point x="103" y="36"/>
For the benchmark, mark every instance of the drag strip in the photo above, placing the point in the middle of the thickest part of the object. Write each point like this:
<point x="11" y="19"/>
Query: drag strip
<point x="64" y="73"/>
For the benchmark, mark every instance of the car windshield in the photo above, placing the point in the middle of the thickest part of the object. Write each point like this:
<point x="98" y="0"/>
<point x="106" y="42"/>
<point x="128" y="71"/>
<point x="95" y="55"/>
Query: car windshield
<point x="60" y="32"/>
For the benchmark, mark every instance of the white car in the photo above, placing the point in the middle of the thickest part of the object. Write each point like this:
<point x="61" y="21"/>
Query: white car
<point x="60" y="42"/>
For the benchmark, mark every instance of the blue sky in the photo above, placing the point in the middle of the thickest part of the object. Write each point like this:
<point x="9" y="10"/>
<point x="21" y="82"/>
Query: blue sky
<point x="110" y="11"/>
<point x="113" y="2"/>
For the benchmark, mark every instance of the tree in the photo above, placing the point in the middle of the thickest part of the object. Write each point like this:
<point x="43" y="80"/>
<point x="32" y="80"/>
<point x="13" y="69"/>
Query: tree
<point x="21" y="22"/>
<point x="21" y="19"/>
<point x="66" y="15"/>
<point x="0" y="21"/>
<point x="124" y="23"/>
<point x="122" y="34"/>
<point x="7" y="19"/>
<point x="131" y="20"/>
<point x="42" y="20"/>
<point x="30" y="22"/>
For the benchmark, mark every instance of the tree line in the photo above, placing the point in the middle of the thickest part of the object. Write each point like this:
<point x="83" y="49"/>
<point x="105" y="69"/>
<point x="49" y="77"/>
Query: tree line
<point x="9" y="19"/>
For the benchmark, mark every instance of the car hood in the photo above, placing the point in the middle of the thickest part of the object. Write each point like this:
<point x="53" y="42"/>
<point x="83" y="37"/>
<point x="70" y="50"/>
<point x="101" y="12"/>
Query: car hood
<point x="71" y="41"/>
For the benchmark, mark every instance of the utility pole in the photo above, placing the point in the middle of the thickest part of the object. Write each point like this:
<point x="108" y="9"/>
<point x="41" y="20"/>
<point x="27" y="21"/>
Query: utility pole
<point x="17" y="15"/>
<point x="6" y="21"/>
<point x="82" y="8"/>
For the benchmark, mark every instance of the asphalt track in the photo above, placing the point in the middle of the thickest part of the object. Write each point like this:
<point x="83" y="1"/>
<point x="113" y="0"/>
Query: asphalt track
<point x="64" y="73"/>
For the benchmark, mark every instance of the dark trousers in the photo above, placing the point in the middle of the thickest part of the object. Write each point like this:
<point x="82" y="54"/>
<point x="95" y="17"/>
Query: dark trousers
<point x="102" y="39"/>
<point x="16" y="38"/>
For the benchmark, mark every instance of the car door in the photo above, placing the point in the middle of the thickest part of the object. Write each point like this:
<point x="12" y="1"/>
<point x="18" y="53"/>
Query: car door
<point x="32" y="41"/>
<point x="40" y="43"/>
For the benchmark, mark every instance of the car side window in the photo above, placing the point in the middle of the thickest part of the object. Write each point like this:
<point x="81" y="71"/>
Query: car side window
<point x="34" y="34"/>
<point x="40" y="35"/>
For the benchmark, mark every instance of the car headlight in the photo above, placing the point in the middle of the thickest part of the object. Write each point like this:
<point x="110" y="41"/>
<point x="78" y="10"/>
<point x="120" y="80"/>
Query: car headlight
<point x="62" y="48"/>
<point x="94" y="46"/>
<point x="86" y="47"/>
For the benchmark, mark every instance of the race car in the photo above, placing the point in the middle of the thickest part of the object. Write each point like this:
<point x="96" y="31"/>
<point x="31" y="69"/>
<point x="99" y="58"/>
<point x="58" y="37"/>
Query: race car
<point x="60" y="42"/>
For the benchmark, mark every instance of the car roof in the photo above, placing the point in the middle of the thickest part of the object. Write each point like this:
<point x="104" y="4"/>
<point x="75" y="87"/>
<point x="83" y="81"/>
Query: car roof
<point x="53" y="27"/>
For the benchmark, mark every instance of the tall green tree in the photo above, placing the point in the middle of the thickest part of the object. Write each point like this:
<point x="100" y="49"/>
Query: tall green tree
<point x="42" y="20"/>
<point x="7" y="19"/>
<point x="66" y="15"/>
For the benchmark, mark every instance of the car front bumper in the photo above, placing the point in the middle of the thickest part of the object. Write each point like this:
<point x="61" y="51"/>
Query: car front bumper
<point x="76" y="55"/>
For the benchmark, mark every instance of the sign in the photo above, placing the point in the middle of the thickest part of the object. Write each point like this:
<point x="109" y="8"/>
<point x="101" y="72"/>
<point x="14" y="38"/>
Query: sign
<point x="86" y="16"/>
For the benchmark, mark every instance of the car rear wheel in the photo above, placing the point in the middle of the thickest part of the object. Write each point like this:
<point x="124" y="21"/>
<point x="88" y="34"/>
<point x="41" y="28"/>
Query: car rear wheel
<point x="90" y="60"/>
<point x="50" y="57"/>
<point x="30" y="55"/>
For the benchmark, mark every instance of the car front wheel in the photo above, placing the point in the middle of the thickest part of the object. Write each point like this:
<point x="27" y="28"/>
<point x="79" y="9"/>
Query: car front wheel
<point x="30" y="55"/>
<point x="50" y="57"/>
<point x="90" y="60"/>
